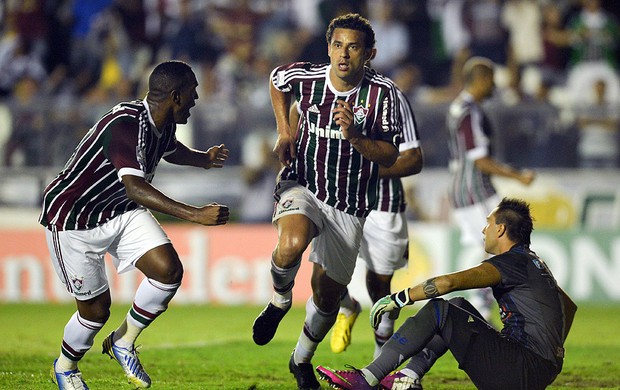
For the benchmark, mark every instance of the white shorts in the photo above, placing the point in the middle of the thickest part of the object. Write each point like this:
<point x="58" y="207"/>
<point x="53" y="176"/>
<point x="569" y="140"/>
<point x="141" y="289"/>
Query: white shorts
<point x="472" y="219"/>
<point x="78" y="255"/>
<point x="385" y="242"/>
<point x="337" y="244"/>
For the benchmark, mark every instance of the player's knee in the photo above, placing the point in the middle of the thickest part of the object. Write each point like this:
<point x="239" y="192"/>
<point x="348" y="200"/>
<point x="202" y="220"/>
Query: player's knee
<point x="290" y="248"/>
<point x="173" y="274"/>
<point x="95" y="311"/>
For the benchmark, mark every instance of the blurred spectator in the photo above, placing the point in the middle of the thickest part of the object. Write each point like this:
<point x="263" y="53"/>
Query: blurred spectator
<point x="594" y="40"/>
<point x="488" y="36"/>
<point x="451" y="40"/>
<point x="17" y="61"/>
<point x="555" y="41"/>
<point x="25" y="146"/>
<point x="598" y="130"/>
<point x="31" y="21"/>
<point x="523" y="20"/>
<point x="84" y="59"/>
<point x="392" y="36"/>
<point x="189" y="37"/>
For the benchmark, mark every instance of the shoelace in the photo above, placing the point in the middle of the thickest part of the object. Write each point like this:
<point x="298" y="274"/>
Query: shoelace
<point x="75" y="379"/>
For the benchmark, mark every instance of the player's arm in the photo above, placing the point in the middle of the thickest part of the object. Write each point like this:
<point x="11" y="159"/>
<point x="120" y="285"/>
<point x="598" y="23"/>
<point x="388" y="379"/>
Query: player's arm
<point x="145" y="194"/>
<point x="214" y="157"/>
<point x="379" y="151"/>
<point x="409" y="162"/>
<point x="570" y="308"/>
<point x="491" y="166"/>
<point x="483" y="275"/>
<point x="285" y="144"/>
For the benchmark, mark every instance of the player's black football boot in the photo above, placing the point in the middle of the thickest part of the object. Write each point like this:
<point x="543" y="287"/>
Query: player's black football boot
<point x="304" y="374"/>
<point x="267" y="322"/>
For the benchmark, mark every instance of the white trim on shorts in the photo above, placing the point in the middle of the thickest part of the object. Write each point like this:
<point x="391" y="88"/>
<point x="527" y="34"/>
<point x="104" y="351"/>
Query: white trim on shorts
<point x="78" y="255"/>
<point x="385" y="243"/>
<point x="337" y="243"/>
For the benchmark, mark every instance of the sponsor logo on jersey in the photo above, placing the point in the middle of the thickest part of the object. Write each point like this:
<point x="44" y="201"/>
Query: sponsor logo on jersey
<point x="327" y="133"/>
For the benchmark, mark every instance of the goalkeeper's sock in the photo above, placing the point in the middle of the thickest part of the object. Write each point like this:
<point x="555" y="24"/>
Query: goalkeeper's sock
<point x="417" y="330"/>
<point x="370" y="377"/>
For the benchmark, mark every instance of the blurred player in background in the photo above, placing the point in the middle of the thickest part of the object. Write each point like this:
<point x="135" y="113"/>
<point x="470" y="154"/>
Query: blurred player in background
<point x="349" y="125"/>
<point x="385" y="240"/>
<point x="472" y="194"/>
<point x="528" y="353"/>
<point x="99" y="203"/>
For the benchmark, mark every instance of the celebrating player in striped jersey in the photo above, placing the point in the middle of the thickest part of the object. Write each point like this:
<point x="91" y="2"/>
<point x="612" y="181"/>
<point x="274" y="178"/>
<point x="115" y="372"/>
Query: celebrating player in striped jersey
<point x="99" y="203"/>
<point x="349" y="126"/>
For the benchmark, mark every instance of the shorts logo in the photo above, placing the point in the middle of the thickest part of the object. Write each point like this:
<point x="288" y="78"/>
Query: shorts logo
<point x="287" y="203"/>
<point x="360" y="113"/>
<point x="78" y="283"/>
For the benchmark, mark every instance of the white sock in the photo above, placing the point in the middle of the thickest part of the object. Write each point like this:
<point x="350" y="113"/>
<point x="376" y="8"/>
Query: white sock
<point x="316" y="326"/>
<point x="348" y="305"/>
<point x="283" y="301"/>
<point x="78" y="337"/>
<point x="370" y="378"/>
<point x="152" y="298"/>
<point x="410" y="373"/>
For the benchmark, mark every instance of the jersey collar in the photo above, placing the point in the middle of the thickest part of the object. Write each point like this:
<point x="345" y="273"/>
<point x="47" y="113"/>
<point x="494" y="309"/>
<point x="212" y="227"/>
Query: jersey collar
<point x="148" y="112"/>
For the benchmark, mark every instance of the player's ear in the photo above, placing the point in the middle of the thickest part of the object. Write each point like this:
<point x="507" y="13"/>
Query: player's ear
<point x="175" y="95"/>
<point x="501" y="229"/>
<point x="371" y="54"/>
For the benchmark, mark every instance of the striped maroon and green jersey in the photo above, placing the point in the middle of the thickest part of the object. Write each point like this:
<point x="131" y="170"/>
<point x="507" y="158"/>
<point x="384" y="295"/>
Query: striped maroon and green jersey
<point x="88" y="191"/>
<point x="469" y="139"/>
<point x="326" y="163"/>
<point x="391" y="195"/>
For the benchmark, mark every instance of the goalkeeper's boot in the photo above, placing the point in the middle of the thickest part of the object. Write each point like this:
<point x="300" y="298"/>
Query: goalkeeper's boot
<point x="341" y="335"/>
<point x="68" y="380"/>
<point x="267" y="322"/>
<point x="304" y="375"/>
<point x="352" y="379"/>
<point x="399" y="381"/>
<point x="128" y="359"/>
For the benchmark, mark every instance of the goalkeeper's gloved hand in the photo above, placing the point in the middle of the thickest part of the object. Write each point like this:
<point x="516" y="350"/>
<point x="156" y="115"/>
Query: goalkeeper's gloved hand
<point x="387" y="304"/>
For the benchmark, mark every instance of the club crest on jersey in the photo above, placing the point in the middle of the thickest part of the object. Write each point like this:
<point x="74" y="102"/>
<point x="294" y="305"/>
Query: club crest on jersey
<point x="359" y="113"/>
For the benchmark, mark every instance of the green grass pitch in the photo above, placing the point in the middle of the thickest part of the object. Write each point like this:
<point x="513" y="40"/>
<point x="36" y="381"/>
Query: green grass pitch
<point x="210" y="347"/>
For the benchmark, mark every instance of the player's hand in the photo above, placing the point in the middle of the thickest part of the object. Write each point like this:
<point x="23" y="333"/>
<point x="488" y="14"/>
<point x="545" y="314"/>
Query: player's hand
<point x="387" y="304"/>
<point x="216" y="155"/>
<point x="213" y="214"/>
<point x="343" y="116"/>
<point x="527" y="177"/>
<point x="285" y="148"/>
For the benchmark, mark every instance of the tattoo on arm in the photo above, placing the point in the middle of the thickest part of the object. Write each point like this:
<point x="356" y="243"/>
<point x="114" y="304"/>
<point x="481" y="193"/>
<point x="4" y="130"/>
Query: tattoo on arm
<point x="430" y="289"/>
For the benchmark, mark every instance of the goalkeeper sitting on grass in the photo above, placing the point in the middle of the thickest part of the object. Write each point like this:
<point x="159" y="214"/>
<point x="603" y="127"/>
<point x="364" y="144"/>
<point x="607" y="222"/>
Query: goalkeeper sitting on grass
<point x="526" y="354"/>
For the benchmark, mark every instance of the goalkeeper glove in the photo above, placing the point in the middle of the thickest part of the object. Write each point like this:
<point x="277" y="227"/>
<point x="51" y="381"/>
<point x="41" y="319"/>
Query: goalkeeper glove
<point x="387" y="304"/>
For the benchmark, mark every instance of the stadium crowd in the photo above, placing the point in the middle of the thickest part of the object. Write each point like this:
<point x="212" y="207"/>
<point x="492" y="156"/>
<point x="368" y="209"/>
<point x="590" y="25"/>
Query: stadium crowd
<point x="63" y="62"/>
